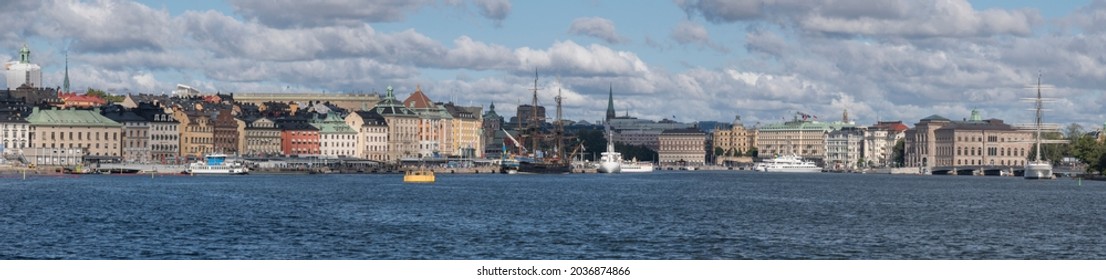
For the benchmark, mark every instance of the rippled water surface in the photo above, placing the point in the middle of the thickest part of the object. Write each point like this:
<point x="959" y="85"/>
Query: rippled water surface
<point x="662" y="215"/>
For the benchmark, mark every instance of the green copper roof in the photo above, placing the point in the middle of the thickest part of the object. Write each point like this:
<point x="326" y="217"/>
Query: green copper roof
<point x="805" y="126"/>
<point x="332" y="124"/>
<point x="70" y="118"/>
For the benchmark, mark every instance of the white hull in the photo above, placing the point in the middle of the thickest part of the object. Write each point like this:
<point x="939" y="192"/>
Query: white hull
<point x="793" y="169"/>
<point x="1037" y="170"/>
<point x="610" y="167"/>
<point x="636" y="168"/>
<point x="218" y="171"/>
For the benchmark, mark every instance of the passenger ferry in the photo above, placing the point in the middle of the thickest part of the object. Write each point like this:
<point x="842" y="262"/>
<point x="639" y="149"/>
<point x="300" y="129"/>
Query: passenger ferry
<point x="217" y="164"/>
<point x="636" y="166"/>
<point x="791" y="163"/>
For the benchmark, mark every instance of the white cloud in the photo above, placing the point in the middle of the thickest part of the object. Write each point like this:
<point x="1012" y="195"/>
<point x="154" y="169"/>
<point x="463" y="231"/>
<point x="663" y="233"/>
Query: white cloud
<point x="688" y="32"/>
<point x="496" y="10"/>
<point x="596" y="27"/>
<point x="294" y="13"/>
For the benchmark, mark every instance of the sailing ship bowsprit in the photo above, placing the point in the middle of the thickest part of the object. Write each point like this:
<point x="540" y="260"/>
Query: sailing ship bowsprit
<point x="538" y="162"/>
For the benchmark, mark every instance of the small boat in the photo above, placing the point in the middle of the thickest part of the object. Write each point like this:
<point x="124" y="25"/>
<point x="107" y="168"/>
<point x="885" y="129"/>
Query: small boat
<point x="788" y="163"/>
<point x="508" y="166"/>
<point x="217" y="164"/>
<point x="418" y="176"/>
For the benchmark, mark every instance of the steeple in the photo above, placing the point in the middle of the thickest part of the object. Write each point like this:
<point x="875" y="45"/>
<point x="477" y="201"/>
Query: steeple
<point x="25" y="55"/>
<point x="610" y="104"/>
<point x="491" y="109"/>
<point x="390" y="95"/>
<point x="65" y="84"/>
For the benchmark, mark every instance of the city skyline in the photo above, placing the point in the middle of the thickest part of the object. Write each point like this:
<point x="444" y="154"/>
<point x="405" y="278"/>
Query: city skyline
<point x="692" y="60"/>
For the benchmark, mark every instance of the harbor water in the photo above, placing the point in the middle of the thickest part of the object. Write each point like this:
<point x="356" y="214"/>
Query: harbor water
<point x="661" y="215"/>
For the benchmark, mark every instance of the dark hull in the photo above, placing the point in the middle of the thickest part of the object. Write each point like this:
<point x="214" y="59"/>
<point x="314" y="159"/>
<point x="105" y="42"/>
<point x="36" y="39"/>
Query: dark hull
<point x="543" y="168"/>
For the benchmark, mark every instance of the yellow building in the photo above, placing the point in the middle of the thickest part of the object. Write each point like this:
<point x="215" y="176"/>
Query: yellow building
<point x="467" y="130"/>
<point x="86" y="131"/>
<point x="736" y="141"/>
<point x="197" y="133"/>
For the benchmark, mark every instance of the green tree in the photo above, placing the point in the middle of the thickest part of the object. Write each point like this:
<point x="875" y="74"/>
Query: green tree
<point x="718" y="151"/>
<point x="898" y="153"/>
<point x="1073" y="131"/>
<point x="752" y="152"/>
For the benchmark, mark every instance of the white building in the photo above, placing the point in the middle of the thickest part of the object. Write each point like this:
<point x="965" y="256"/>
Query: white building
<point x="843" y="148"/>
<point x="372" y="134"/>
<point x="879" y="142"/>
<point x="336" y="139"/>
<point x="23" y="72"/>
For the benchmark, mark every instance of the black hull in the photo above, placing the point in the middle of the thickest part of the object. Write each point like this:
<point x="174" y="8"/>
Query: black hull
<point x="544" y="168"/>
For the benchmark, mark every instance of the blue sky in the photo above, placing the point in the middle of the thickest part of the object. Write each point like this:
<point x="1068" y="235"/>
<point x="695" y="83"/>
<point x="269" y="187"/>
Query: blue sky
<point x="693" y="59"/>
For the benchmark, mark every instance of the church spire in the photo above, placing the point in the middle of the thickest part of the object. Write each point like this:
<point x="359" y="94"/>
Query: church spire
<point x="25" y="54"/>
<point x="610" y="104"/>
<point x="65" y="84"/>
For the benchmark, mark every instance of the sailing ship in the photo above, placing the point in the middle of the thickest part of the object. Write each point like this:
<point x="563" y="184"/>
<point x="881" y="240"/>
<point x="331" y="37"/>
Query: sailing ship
<point x="1037" y="168"/>
<point x="538" y="163"/>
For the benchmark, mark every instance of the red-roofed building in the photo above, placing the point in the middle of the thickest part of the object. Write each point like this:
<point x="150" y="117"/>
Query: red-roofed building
<point x="879" y="142"/>
<point x="435" y="125"/>
<point x="73" y="100"/>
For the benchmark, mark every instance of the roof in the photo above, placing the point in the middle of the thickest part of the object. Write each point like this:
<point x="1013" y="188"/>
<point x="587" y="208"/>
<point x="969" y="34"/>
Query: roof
<point x="991" y="124"/>
<point x="332" y="124"/>
<point x="935" y="118"/>
<point x="683" y="131"/>
<point x="70" y="117"/>
<point x="805" y="126"/>
<point x="392" y="107"/>
<point x="371" y="117"/>
<point x="418" y="100"/>
<point x="896" y="126"/>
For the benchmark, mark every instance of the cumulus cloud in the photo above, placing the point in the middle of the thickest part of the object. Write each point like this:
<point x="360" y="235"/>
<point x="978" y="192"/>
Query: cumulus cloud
<point x="496" y="10"/>
<point x="596" y="27"/>
<point x="687" y="32"/>
<point x="294" y="13"/>
<point x="896" y="18"/>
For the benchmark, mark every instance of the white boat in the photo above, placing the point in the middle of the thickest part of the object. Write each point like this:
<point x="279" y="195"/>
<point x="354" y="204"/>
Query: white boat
<point x="217" y="164"/>
<point x="610" y="161"/>
<point x="636" y="166"/>
<point x="789" y="163"/>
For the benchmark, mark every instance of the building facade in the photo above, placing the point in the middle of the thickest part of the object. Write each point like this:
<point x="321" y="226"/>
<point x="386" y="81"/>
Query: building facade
<point x="803" y="138"/>
<point x="880" y="140"/>
<point x="196" y="134"/>
<point x="299" y="138"/>
<point x="262" y="138"/>
<point x="682" y="147"/>
<point x="336" y="139"/>
<point x="844" y="149"/>
<point x="467" y="135"/>
<point x="136" y="134"/>
<point x="84" y="130"/>
<point x="372" y="134"/>
<point x="735" y="141"/>
<point x="164" y="136"/>
<point x="225" y="132"/>
<point x="403" y="127"/>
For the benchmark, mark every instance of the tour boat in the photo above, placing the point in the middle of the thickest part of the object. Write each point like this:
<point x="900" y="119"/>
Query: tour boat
<point x="635" y="166"/>
<point x="217" y="164"/>
<point x="787" y="163"/>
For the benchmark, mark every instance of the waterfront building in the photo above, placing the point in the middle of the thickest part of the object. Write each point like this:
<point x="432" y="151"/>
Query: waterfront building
<point x="491" y="124"/>
<point x="196" y="134"/>
<point x="23" y="72"/>
<point x="435" y="125"/>
<point x="466" y="139"/>
<point x="844" y="148"/>
<point x="879" y="142"/>
<point x="937" y="142"/>
<point x="14" y="128"/>
<point x="336" y="139"/>
<point x="735" y="141"/>
<point x="638" y="132"/>
<point x="85" y="130"/>
<point x="262" y="137"/>
<point x="403" y="127"/>
<point x="298" y="137"/>
<point x="225" y="132"/>
<point x="802" y="137"/>
<point x="685" y="146"/>
<point x="164" y="135"/>
<point x="136" y="130"/>
<point x="372" y="134"/>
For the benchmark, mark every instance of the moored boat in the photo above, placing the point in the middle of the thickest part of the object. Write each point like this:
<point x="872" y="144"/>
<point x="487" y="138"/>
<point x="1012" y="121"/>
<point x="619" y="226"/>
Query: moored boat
<point x="787" y="163"/>
<point x="217" y="164"/>
<point x="636" y="166"/>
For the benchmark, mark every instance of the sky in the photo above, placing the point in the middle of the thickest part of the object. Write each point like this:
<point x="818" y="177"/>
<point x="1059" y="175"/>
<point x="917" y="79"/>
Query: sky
<point x="687" y="60"/>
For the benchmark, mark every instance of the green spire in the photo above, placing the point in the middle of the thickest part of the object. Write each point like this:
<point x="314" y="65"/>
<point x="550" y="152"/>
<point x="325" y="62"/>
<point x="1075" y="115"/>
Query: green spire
<point x="610" y="103"/>
<point x="390" y="96"/>
<point x="65" y="84"/>
<point x="976" y="116"/>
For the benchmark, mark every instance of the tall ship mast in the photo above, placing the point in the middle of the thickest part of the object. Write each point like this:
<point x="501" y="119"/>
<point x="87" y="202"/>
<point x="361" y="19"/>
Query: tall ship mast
<point x="1038" y="169"/>
<point x="556" y="164"/>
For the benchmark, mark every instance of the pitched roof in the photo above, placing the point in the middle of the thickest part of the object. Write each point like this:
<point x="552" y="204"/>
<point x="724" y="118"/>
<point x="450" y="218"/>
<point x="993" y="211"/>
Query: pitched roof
<point x="418" y="100"/>
<point x="935" y="118"/>
<point x="70" y="118"/>
<point x="371" y="118"/>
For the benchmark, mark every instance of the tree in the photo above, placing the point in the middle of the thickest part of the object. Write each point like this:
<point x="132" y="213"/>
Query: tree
<point x="898" y="153"/>
<point x="719" y="151"/>
<point x="1073" y="131"/>
<point x="752" y="152"/>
